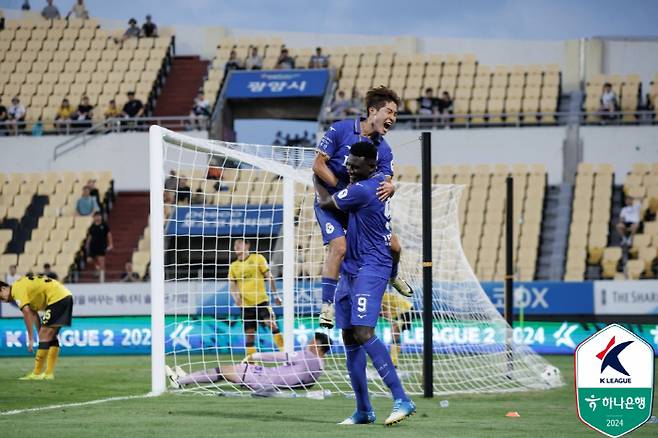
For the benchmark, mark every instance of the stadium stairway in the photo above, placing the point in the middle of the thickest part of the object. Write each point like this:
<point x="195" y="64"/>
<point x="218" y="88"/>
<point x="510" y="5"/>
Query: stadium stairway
<point x="127" y="221"/>
<point x="182" y="84"/>
<point x="554" y="233"/>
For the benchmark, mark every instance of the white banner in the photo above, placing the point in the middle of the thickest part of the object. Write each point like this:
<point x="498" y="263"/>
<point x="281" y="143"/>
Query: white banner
<point x="626" y="297"/>
<point x="106" y="299"/>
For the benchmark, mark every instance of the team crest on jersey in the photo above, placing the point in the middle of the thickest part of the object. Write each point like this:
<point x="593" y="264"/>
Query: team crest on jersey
<point x="342" y="194"/>
<point x="329" y="228"/>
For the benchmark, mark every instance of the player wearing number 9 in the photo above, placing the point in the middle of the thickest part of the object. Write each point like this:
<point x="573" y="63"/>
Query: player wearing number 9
<point x="34" y="293"/>
<point x="364" y="275"/>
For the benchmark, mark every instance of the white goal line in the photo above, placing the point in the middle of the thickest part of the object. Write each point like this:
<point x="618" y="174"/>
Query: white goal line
<point x="75" y="405"/>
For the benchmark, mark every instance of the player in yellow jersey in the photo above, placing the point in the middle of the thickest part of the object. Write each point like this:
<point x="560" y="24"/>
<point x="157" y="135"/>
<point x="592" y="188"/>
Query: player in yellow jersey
<point x="34" y="293"/>
<point x="247" y="277"/>
<point x="397" y="310"/>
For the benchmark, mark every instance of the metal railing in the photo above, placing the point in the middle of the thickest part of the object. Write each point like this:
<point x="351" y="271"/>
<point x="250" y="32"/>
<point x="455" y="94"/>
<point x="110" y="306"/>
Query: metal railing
<point x="136" y="124"/>
<point x="518" y="119"/>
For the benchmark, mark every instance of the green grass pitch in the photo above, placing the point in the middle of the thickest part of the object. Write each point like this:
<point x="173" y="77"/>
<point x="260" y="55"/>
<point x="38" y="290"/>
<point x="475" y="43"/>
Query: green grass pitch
<point x="543" y="414"/>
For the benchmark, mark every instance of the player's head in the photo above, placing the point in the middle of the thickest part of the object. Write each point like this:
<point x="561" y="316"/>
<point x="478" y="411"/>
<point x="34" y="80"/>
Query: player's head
<point x="320" y="345"/>
<point x="98" y="218"/>
<point x="5" y="292"/>
<point x="382" y="106"/>
<point x="241" y="247"/>
<point x="362" y="161"/>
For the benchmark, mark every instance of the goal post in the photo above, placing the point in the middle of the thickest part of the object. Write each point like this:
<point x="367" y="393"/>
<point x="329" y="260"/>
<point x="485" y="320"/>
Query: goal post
<point x="263" y="194"/>
<point x="156" y="173"/>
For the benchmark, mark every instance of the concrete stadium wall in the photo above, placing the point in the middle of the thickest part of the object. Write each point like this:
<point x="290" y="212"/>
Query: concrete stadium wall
<point x="126" y="155"/>
<point x="620" y="146"/>
<point x="631" y="57"/>
<point x="485" y="146"/>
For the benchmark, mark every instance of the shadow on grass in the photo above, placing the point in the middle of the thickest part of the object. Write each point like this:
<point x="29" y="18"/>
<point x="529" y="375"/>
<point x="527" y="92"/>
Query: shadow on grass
<point x="251" y="417"/>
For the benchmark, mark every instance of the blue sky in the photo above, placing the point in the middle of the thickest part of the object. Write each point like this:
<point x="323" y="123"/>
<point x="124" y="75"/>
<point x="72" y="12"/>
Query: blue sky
<point x="540" y="19"/>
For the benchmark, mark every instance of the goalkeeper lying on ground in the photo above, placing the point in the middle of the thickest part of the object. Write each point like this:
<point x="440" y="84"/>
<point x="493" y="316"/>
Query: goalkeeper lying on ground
<point x="302" y="369"/>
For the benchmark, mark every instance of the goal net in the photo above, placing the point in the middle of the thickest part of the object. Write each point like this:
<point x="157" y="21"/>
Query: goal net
<point x="206" y="194"/>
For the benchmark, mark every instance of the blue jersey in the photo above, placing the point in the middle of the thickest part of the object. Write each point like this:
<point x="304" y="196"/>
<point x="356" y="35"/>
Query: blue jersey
<point x="336" y="145"/>
<point x="368" y="229"/>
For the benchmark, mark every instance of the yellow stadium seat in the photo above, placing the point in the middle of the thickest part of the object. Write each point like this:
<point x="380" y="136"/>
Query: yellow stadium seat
<point x="634" y="269"/>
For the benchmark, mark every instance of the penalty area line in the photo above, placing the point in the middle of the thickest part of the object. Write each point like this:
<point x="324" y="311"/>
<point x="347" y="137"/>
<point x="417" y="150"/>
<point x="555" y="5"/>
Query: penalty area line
<point x="75" y="405"/>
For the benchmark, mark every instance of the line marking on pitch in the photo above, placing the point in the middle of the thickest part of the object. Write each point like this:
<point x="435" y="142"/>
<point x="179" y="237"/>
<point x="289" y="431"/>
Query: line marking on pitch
<point x="74" y="405"/>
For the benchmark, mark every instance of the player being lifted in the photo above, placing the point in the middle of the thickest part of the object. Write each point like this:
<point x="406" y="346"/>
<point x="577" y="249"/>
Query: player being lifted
<point x="365" y="271"/>
<point x="247" y="277"/>
<point x="329" y="166"/>
<point x="301" y="369"/>
<point x="34" y="293"/>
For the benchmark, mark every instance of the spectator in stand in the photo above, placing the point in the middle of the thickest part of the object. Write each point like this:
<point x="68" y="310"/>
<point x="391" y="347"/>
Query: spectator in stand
<point x="318" y="60"/>
<point x="608" y="101"/>
<point x="133" y="108"/>
<point x="133" y="31"/>
<point x="26" y="5"/>
<point x="149" y="28"/>
<point x="340" y="106"/>
<point x="16" y="113"/>
<point x="50" y="12"/>
<point x="12" y="275"/>
<point x="233" y="63"/>
<point x="428" y="105"/>
<point x="445" y="103"/>
<point x="170" y="187"/>
<point x="86" y="204"/>
<point x="184" y="193"/>
<point x="629" y="221"/>
<point x="356" y="104"/>
<point x="200" y="111"/>
<point x="285" y="61"/>
<point x="79" y="10"/>
<point x="4" y="117"/>
<point x="112" y="110"/>
<point x="128" y="275"/>
<point x="278" y="139"/>
<point x="93" y="191"/>
<point x="254" y="61"/>
<point x="99" y="241"/>
<point x="47" y="272"/>
<point x="63" y="117"/>
<point x="84" y="114"/>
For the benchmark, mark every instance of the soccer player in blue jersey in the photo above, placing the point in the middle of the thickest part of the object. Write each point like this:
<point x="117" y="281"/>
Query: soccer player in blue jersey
<point x="365" y="271"/>
<point x="330" y="169"/>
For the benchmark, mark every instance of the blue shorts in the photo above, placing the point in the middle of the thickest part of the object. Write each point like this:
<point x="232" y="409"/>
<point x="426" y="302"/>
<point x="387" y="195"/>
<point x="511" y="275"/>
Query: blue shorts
<point x="332" y="223"/>
<point x="359" y="300"/>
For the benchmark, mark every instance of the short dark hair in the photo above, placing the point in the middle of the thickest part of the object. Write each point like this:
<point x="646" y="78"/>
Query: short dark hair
<point x="96" y="213"/>
<point x="3" y="284"/>
<point x="607" y="84"/>
<point x="380" y="96"/>
<point x="46" y="266"/>
<point x="364" y="149"/>
<point x="322" y="341"/>
<point x="243" y="240"/>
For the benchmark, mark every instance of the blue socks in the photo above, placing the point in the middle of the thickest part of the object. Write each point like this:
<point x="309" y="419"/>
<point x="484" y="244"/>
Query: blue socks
<point x="328" y="289"/>
<point x="381" y="360"/>
<point x="356" y="367"/>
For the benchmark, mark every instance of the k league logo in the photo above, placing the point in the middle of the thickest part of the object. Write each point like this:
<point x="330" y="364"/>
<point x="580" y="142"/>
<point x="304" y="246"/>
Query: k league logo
<point x="614" y="373"/>
<point x="329" y="228"/>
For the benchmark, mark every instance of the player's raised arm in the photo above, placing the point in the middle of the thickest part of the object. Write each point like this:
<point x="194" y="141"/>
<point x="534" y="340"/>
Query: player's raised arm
<point x="385" y="165"/>
<point x="325" y="150"/>
<point x="321" y="169"/>
<point x="325" y="200"/>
